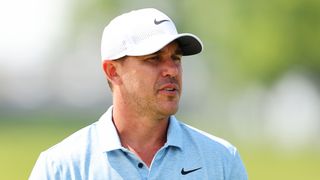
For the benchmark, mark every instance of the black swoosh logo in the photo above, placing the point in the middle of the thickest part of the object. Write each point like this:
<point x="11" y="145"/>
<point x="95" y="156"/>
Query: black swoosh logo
<point x="183" y="172"/>
<point x="159" y="22"/>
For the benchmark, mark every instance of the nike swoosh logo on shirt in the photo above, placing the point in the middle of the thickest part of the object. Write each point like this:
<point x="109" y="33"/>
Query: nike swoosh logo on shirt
<point x="184" y="172"/>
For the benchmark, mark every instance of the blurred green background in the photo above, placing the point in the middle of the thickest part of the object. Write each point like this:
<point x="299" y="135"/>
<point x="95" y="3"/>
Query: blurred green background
<point x="256" y="84"/>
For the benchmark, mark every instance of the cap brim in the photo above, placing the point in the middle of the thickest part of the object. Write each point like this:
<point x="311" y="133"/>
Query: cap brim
<point x="189" y="44"/>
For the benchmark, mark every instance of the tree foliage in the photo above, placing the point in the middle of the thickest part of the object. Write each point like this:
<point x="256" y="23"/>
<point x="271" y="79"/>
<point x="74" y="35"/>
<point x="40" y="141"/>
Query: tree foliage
<point x="259" y="40"/>
<point x="245" y="41"/>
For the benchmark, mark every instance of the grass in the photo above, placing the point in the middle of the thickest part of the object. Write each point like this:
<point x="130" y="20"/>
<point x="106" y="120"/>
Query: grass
<point x="265" y="162"/>
<point x="22" y="141"/>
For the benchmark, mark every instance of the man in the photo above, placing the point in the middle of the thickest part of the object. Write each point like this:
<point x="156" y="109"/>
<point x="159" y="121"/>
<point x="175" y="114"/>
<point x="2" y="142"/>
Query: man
<point x="138" y="137"/>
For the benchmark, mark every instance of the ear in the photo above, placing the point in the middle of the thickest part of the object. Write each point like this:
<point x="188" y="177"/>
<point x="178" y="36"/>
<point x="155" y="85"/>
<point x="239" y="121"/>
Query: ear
<point x="110" y="69"/>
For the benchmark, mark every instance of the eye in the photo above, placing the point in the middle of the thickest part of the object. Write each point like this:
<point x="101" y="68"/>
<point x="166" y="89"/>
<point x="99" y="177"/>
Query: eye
<point x="177" y="59"/>
<point x="153" y="58"/>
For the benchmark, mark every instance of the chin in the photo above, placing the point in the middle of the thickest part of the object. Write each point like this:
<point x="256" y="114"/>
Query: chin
<point x="169" y="110"/>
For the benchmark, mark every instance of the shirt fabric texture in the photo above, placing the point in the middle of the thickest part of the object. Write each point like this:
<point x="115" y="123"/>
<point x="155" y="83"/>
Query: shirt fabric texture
<point x="95" y="153"/>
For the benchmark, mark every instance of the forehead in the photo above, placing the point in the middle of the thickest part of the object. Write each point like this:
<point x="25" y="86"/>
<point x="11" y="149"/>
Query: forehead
<point x="172" y="47"/>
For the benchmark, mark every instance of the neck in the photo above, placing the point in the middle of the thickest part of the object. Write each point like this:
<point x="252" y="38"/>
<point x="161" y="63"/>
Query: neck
<point x="143" y="135"/>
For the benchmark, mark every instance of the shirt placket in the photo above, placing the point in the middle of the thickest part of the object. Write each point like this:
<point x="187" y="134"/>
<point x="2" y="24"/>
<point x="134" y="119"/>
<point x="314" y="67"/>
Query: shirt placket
<point x="156" y="162"/>
<point x="141" y="167"/>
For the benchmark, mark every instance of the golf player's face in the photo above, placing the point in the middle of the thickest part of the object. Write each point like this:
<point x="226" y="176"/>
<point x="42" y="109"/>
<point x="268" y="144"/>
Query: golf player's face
<point x="152" y="83"/>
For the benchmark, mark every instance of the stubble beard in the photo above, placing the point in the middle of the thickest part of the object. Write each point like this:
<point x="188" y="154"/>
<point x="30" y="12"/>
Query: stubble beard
<point x="153" y="107"/>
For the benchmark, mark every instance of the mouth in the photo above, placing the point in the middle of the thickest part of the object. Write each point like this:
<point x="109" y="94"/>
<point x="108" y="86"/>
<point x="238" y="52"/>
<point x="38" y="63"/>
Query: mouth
<point x="169" y="89"/>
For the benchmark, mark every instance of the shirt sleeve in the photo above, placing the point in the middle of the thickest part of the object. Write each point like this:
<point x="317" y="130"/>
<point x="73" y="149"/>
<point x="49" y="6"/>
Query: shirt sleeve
<point x="238" y="171"/>
<point x="44" y="169"/>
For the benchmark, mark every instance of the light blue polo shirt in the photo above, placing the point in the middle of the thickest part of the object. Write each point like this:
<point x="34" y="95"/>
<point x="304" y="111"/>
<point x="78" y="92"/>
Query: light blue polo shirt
<point x="95" y="153"/>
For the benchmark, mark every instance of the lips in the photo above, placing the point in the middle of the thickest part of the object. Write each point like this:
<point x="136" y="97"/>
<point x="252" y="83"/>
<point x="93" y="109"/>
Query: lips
<point x="169" y="89"/>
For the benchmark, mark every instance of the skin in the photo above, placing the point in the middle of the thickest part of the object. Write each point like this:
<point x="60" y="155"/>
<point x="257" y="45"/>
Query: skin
<point x="146" y="91"/>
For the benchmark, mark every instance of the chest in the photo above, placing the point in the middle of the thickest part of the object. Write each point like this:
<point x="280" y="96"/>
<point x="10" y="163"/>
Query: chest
<point x="166" y="164"/>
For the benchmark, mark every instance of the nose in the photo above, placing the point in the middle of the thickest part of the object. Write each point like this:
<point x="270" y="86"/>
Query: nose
<point x="170" y="68"/>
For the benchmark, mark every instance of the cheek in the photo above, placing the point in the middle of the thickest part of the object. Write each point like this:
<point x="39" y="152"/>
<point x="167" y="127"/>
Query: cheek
<point x="130" y="80"/>
<point x="138" y="80"/>
<point x="179" y="77"/>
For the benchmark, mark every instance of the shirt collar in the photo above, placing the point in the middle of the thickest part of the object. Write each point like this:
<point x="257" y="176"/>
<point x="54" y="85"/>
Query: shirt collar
<point x="174" y="134"/>
<point x="108" y="137"/>
<point x="109" y="140"/>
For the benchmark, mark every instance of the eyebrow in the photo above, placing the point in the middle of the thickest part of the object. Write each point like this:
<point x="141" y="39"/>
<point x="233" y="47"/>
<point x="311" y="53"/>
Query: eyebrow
<point x="178" y="52"/>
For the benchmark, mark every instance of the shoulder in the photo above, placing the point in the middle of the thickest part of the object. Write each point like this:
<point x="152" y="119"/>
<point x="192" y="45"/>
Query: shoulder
<point x="216" y="153"/>
<point x="84" y="143"/>
<point x="74" y="145"/>
<point x="57" y="161"/>
<point x="208" y="141"/>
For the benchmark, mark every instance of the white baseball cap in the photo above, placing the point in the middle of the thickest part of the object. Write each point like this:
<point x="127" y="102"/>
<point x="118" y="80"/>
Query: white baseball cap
<point x="142" y="32"/>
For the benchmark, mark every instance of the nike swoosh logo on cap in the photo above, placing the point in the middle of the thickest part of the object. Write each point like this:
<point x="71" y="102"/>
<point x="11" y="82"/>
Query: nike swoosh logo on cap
<point x="159" y="22"/>
<point x="183" y="172"/>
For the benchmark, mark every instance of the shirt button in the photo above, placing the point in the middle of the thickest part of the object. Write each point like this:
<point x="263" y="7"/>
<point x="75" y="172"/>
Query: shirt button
<point x="140" y="165"/>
